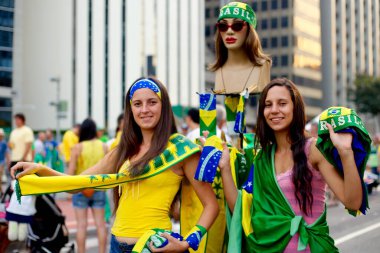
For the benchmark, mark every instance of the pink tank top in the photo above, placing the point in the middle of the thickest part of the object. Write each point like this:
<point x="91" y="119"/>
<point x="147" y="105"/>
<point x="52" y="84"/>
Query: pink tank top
<point x="318" y="185"/>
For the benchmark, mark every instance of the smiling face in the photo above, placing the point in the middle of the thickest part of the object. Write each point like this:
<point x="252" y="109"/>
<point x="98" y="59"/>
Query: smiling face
<point x="233" y="39"/>
<point x="146" y="108"/>
<point x="278" y="110"/>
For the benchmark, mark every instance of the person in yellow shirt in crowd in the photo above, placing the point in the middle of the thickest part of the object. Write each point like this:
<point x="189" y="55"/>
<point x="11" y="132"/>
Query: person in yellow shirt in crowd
<point x="70" y="138"/>
<point x="20" y="141"/>
<point x="118" y="131"/>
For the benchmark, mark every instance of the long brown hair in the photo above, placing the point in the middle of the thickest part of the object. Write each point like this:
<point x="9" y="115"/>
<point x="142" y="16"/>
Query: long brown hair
<point x="302" y="175"/>
<point x="131" y="137"/>
<point x="252" y="48"/>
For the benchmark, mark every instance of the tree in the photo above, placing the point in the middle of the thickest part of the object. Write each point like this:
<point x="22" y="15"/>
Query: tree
<point x="366" y="94"/>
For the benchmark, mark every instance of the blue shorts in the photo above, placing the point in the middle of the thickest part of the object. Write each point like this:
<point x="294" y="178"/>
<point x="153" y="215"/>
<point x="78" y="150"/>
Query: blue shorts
<point x="120" y="247"/>
<point x="97" y="200"/>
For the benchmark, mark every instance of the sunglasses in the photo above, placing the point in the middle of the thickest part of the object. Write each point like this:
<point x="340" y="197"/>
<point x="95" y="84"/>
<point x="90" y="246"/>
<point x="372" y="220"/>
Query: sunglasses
<point x="236" y="26"/>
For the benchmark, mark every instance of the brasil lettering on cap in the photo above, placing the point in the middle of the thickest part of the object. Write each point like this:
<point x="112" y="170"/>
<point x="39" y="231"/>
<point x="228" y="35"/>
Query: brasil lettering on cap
<point x="238" y="10"/>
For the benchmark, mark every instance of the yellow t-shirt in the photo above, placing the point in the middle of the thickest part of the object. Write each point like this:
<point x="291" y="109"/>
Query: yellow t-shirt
<point x="18" y="139"/>
<point x="116" y="141"/>
<point x="92" y="152"/>
<point x="68" y="141"/>
<point x="145" y="204"/>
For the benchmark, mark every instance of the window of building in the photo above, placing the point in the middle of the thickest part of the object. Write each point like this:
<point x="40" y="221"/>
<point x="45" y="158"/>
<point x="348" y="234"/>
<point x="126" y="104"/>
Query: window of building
<point x="207" y="31"/>
<point x="273" y="23"/>
<point x="6" y="18"/>
<point x="264" y="5"/>
<point x="284" y="41"/>
<point x="274" y="42"/>
<point x="284" y="4"/>
<point x="273" y="5"/>
<point x="5" y="79"/>
<point x="284" y="60"/>
<point x="207" y="12"/>
<point x="284" y="22"/>
<point x="274" y="61"/>
<point x="6" y="59"/>
<point x="6" y="39"/>
<point x="254" y="6"/>
<point x="264" y="43"/>
<point x="216" y="12"/>
<point x="7" y="3"/>
<point x="264" y="24"/>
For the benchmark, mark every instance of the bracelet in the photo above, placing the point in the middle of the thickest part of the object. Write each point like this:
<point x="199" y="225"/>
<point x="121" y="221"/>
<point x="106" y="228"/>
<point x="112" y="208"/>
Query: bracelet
<point x="195" y="235"/>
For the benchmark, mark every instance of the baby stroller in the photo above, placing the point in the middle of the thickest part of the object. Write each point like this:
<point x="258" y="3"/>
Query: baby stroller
<point x="47" y="233"/>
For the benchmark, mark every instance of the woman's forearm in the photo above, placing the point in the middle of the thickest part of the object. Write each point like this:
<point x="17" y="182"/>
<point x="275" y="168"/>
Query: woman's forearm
<point x="45" y="171"/>
<point x="209" y="214"/>
<point x="352" y="184"/>
<point x="230" y="190"/>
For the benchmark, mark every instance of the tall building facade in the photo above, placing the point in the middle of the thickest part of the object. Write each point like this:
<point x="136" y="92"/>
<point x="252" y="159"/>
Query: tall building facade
<point x="351" y="45"/>
<point x="96" y="49"/>
<point x="6" y="62"/>
<point x="290" y="33"/>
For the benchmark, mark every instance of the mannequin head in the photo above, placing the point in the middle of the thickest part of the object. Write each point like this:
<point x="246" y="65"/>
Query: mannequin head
<point x="240" y="21"/>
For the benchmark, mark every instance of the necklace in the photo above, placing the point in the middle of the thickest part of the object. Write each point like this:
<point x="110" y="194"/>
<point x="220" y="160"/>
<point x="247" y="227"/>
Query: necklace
<point x="246" y="82"/>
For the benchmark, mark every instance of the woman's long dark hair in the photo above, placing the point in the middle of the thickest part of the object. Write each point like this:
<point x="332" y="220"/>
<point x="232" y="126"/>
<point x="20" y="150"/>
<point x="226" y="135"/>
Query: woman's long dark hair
<point x="131" y="137"/>
<point x="302" y="176"/>
<point x="87" y="130"/>
<point x="252" y="48"/>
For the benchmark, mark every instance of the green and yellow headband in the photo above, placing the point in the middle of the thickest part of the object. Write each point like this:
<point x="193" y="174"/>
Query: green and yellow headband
<point x="238" y="10"/>
<point x="144" y="84"/>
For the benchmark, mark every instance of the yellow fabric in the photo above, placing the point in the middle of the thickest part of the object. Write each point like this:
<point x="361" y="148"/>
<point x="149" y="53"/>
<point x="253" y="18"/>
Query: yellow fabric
<point x="116" y="141"/>
<point x="18" y="139"/>
<point x="178" y="149"/>
<point x="143" y="207"/>
<point x="68" y="141"/>
<point x="92" y="152"/>
<point x="191" y="210"/>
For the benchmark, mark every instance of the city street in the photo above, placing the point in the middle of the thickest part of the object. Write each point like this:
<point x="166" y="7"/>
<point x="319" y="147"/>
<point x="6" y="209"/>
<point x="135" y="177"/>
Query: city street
<point x="359" y="234"/>
<point x="351" y="234"/>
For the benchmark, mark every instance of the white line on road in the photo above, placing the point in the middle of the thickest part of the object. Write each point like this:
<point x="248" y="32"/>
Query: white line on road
<point x="355" y="234"/>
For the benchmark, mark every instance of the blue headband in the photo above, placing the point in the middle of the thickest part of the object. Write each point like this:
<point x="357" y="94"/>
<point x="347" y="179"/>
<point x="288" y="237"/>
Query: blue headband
<point x="144" y="84"/>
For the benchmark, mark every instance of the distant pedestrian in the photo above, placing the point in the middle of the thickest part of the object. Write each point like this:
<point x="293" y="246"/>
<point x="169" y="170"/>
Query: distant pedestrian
<point x="88" y="152"/>
<point x="39" y="148"/>
<point x="20" y="141"/>
<point x="69" y="139"/>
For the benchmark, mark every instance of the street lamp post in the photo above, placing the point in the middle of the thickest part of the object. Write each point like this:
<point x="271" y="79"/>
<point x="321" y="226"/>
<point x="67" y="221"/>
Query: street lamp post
<point x="57" y="105"/>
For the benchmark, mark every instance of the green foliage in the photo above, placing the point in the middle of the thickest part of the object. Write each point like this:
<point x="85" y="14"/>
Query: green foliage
<point x="366" y="94"/>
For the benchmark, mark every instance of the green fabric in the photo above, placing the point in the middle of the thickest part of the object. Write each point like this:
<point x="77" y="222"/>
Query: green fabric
<point x="345" y="119"/>
<point x="238" y="10"/>
<point x="231" y="105"/>
<point x="272" y="218"/>
<point x="340" y="118"/>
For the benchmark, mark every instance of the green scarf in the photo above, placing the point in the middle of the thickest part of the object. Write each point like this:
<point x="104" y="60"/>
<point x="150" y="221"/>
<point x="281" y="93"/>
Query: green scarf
<point x="267" y="218"/>
<point x="345" y="120"/>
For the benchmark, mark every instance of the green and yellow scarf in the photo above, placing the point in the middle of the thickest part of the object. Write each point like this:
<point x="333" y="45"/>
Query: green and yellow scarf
<point x="346" y="120"/>
<point x="178" y="148"/>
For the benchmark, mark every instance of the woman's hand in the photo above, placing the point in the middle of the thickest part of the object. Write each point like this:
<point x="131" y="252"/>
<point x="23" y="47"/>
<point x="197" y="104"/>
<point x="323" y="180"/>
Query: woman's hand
<point x="28" y="168"/>
<point x="173" y="246"/>
<point x="224" y="162"/>
<point x="341" y="141"/>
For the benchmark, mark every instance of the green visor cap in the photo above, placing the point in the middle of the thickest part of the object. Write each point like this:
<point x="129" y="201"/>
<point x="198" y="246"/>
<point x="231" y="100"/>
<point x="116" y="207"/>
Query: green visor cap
<point x="238" y="10"/>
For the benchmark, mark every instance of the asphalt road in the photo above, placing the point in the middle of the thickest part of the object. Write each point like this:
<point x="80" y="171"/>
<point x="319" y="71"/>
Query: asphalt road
<point x="360" y="234"/>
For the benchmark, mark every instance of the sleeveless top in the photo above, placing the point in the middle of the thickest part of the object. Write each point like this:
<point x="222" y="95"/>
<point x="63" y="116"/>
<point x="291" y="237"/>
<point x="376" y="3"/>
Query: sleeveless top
<point x="145" y="204"/>
<point x="92" y="152"/>
<point x="318" y="185"/>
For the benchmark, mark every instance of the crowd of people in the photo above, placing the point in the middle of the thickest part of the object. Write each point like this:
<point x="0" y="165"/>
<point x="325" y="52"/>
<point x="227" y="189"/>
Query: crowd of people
<point x="270" y="191"/>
